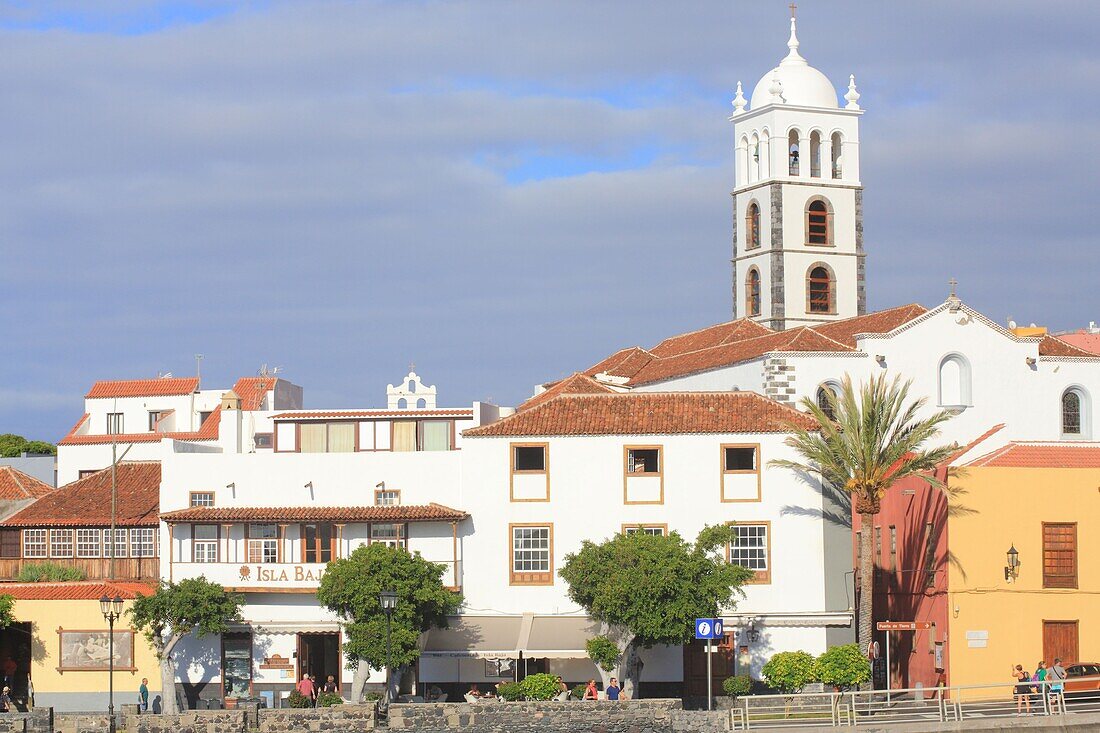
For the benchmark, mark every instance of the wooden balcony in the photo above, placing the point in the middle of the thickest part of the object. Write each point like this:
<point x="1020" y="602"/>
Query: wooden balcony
<point x="126" y="568"/>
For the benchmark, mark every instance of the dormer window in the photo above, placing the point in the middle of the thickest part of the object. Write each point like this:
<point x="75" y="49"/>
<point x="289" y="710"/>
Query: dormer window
<point x="115" y="423"/>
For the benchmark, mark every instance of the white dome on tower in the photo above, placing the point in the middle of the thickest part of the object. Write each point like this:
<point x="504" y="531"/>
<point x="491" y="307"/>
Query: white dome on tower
<point x="795" y="82"/>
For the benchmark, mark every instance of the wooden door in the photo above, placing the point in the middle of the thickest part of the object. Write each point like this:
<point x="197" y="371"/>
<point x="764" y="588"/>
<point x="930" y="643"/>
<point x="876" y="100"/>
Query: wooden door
<point x="695" y="665"/>
<point x="1060" y="641"/>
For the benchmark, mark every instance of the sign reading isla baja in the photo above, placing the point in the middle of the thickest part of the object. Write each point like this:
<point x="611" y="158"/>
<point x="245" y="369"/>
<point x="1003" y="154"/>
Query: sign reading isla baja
<point x="283" y="573"/>
<point x="708" y="628"/>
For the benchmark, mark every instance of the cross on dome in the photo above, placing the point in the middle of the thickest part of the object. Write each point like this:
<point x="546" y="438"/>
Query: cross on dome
<point x="800" y="84"/>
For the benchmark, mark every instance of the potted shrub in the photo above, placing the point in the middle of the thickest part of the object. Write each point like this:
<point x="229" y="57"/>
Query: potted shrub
<point x="510" y="691"/>
<point x="540" y="687"/>
<point x="328" y="699"/>
<point x="295" y="700"/>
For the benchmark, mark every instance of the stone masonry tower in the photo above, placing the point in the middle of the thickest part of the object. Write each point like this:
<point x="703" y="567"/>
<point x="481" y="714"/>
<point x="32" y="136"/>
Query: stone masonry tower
<point x="797" y="203"/>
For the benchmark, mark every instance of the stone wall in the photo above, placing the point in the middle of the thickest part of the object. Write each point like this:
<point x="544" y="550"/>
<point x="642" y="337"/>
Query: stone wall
<point x="343" y="718"/>
<point x="634" y="716"/>
<point x="190" y="721"/>
<point x="80" y="722"/>
<point x="39" y="720"/>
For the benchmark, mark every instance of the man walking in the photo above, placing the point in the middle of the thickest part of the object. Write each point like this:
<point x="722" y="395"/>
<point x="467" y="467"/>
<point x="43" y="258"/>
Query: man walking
<point x="143" y="695"/>
<point x="1056" y="673"/>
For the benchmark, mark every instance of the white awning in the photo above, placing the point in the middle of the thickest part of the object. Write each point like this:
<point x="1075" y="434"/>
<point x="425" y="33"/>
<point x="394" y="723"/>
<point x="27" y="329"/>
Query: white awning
<point x="478" y="637"/>
<point x="560" y="637"/>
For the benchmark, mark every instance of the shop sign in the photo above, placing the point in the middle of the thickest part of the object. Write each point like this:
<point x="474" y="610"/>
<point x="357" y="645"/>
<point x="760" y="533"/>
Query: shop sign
<point x="282" y="573"/>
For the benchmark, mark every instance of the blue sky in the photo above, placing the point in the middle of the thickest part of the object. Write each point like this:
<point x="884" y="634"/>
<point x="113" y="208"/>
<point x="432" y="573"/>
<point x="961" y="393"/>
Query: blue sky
<point x="501" y="192"/>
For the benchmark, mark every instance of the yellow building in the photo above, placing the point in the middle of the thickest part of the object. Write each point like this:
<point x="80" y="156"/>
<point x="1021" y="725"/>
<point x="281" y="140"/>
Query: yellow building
<point x="59" y="646"/>
<point x="1043" y="499"/>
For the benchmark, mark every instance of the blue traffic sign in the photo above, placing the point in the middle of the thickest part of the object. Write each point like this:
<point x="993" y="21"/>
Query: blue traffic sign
<point x="708" y="628"/>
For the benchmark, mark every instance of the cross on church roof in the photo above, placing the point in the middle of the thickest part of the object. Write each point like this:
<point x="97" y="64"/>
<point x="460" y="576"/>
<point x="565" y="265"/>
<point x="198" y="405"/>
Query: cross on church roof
<point x="412" y="367"/>
<point x="953" y="282"/>
<point x="793" y="8"/>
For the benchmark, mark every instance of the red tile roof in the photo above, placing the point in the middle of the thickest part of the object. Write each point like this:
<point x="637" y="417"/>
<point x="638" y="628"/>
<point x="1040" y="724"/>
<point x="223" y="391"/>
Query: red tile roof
<point x="576" y="384"/>
<point x="741" y="340"/>
<point x="144" y="387"/>
<point x="17" y="486"/>
<point x="1054" y="346"/>
<point x="623" y="363"/>
<point x="705" y="338"/>
<point x="207" y="431"/>
<point x="649" y="413"/>
<point x="413" y="513"/>
<point x="87" y="501"/>
<point x="878" y="322"/>
<point x="251" y="390"/>
<point x="75" y="591"/>
<point x="1089" y="342"/>
<point x="1041" y="455"/>
<point x="350" y="414"/>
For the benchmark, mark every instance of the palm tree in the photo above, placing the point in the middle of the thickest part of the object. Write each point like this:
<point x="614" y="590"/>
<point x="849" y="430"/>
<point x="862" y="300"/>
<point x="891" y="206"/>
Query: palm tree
<point x="875" y="439"/>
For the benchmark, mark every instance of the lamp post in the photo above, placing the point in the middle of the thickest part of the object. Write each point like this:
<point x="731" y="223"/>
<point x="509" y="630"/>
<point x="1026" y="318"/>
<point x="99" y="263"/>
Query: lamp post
<point x="112" y="611"/>
<point x="388" y="600"/>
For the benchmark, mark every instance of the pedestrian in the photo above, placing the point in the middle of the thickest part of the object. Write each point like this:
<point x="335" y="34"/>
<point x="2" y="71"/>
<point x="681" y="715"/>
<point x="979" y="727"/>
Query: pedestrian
<point x="5" y="700"/>
<point x="613" y="689"/>
<point x="1038" y="678"/>
<point x="143" y="695"/>
<point x="1022" y="690"/>
<point x="1055" y="676"/>
<point x="590" y="691"/>
<point x="330" y="685"/>
<point x="305" y="688"/>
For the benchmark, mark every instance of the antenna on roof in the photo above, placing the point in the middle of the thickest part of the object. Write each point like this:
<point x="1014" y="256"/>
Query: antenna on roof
<point x="164" y="375"/>
<point x="198" y="367"/>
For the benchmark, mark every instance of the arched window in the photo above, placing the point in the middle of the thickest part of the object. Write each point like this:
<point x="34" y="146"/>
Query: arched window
<point x="1075" y="413"/>
<point x="792" y="152"/>
<point x="838" y="149"/>
<point x="412" y="386"/>
<point x="826" y="400"/>
<point x="815" y="154"/>
<point x="752" y="226"/>
<point x="754" y="158"/>
<point x="954" y="381"/>
<point x="421" y="403"/>
<point x="402" y="404"/>
<point x="752" y="293"/>
<point x="819" y="221"/>
<point x="819" y="289"/>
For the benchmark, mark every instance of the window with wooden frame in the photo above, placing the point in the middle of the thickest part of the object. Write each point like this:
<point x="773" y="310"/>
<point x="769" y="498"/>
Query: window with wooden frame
<point x="657" y="530"/>
<point x="752" y="226"/>
<point x="387" y="497"/>
<point x="752" y="292"/>
<point x="751" y="548"/>
<point x="154" y="418"/>
<point x="393" y="535"/>
<point x="61" y="543"/>
<point x="86" y="472"/>
<point x="120" y="546"/>
<point x="531" y="559"/>
<point x="826" y="400"/>
<point x="205" y="541"/>
<point x="893" y="548"/>
<point x="34" y="543"/>
<point x="11" y="543"/>
<point x="436" y="435"/>
<point x="739" y="458"/>
<point x="645" y="460"/>
<point x="115" y="423"/>
<point x="202" y="498"/>
<point x="819" y="290"/>
<point x="143" y="542"/>
<point x="318" y="542"/>
<point x="740" y="467"/>
<point x="878" y="547"/>
<point x="320" y="437"/>
<point x="819" y="224"/>
<point x="1075" y="414"/>
<point x="89" y="543"/>
<point x="529" y="457"/>
<point x="1059" y="554"/>
<point x="929" y="554"/>
<point x="263" y="543"/>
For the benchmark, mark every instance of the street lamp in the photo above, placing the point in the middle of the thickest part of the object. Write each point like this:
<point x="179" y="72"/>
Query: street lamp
<point x="388" y="600"/>
<point x="1012" y="570"/>
<point x="112" y="611"/>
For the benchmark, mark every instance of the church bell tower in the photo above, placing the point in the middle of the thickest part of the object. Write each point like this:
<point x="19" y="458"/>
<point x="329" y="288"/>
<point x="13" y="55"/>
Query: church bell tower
<point x="798" y="255"/>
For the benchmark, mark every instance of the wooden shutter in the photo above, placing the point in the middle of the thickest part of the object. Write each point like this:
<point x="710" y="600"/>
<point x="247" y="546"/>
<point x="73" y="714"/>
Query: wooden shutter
<point x="1060" y="641"/>
<point x="1059" y="555"/>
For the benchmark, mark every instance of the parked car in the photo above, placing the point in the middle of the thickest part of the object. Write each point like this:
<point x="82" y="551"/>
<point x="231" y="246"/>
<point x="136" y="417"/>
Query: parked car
<point x="1082" y="682"/>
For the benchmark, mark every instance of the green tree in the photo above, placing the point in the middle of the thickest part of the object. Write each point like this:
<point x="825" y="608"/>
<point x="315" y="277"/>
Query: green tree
<point x="842" y="666"/>
<point x="350" y="588"/>
<point x="789" y="672"/>
<point x="175" y="610"/>
<point x="12" y="446"/>
<point x="647" y="590"/>
<point x="876" y="438"/>
<point x="7" y="610"/>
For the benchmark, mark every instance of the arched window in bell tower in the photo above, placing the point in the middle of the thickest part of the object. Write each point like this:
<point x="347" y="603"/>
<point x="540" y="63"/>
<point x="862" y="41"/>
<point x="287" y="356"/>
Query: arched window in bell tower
<point x="792" y="152"/>
<point x="752" y="226"/>
<point x="752" y="293"/>
<point x="820" y="290"/>
<point x="819" y="223"/>
<point x="815" y="154"/>
<point x="837" y="162"/>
